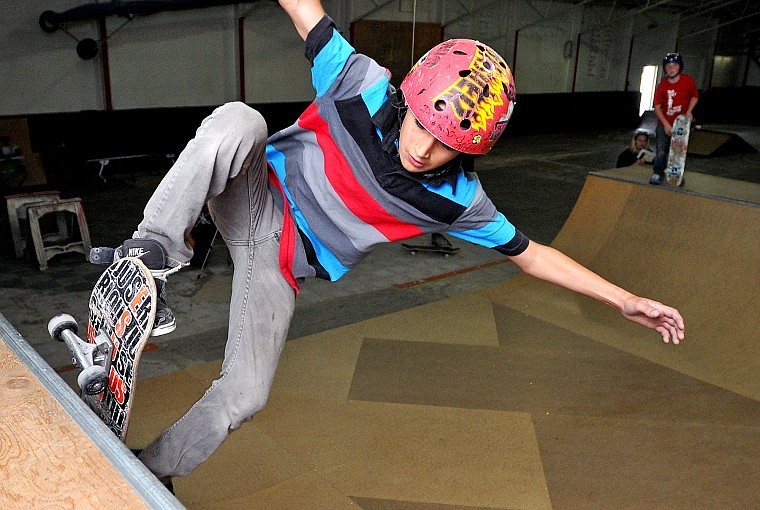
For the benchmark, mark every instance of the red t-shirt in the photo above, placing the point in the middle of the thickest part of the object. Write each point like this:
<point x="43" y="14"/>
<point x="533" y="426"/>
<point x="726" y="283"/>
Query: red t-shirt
<point x="674" y="97"/>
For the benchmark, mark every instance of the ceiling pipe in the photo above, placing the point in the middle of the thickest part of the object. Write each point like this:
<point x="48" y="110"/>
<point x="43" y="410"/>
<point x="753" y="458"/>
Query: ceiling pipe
<point x="51" y="21"/>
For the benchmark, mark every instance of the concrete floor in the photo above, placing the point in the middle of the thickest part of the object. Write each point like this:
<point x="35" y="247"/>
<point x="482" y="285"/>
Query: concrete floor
<point x="534" y="180"/>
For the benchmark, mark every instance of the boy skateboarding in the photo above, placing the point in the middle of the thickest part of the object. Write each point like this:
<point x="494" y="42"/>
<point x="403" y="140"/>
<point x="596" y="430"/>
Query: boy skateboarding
<point x="365" y="164"/>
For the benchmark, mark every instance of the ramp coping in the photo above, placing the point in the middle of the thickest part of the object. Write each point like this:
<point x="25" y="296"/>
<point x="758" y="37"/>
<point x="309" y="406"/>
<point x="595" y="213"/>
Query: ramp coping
<point x="615" y="175"/>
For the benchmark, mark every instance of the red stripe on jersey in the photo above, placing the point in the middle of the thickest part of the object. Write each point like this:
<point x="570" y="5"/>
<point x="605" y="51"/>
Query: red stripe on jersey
<point x="288" y="234"/>
<point x="348" y="188"/>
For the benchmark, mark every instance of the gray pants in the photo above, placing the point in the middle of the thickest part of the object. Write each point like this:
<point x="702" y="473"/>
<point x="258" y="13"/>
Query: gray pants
<point x="225" y="165"/>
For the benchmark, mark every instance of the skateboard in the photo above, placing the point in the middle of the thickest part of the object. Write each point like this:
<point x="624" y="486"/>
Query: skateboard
<point x="122" y="310"/>
<point x="679" y="142"/>
<point x="439" y="244"/>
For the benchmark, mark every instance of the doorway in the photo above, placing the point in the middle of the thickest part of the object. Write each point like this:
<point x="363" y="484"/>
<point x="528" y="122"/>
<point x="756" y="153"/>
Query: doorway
<point x="647" y="86"/>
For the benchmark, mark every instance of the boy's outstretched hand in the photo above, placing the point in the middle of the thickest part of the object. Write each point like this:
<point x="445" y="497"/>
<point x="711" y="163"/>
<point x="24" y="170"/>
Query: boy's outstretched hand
<point x="554" y="266"/>
<point x="662" y="318"/>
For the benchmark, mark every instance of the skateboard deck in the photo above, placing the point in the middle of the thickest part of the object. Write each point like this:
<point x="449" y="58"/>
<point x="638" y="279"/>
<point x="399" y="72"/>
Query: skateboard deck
<point x="122" y="311"/>
<point x="439" y="244"/>
<point x="679" y="143"/>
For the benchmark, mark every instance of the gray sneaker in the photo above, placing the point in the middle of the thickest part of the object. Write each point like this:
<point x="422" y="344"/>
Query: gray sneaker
<point x="655" y="179"/>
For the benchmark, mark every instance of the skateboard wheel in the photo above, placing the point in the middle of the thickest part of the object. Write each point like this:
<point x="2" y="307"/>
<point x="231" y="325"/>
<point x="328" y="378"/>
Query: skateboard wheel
<point x="92" y="380"/>
<point x="58" y="324"/>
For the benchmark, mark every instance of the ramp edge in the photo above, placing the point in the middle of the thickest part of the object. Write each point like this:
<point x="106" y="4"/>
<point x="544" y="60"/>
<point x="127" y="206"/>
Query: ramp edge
<point x="732" y="200"/>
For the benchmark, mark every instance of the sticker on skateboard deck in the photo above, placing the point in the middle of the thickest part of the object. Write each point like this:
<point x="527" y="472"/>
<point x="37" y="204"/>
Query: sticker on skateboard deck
<point x="679" y="143"/>
<point x="122" y="311"/>
<point x="439" y="244"/>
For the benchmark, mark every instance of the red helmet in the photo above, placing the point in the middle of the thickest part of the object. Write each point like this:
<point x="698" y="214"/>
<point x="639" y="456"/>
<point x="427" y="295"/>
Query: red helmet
<point x="463" y="92"/>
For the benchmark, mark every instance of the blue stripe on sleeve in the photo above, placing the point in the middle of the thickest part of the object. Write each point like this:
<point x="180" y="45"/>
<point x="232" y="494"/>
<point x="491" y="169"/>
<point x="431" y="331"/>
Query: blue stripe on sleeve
<point x="329" y="63"/>
<point x="375" y="96"/>
<point x="495" y="233"/>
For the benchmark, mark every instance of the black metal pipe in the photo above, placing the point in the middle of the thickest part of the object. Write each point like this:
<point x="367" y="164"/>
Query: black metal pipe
<point x="50" y="21"/>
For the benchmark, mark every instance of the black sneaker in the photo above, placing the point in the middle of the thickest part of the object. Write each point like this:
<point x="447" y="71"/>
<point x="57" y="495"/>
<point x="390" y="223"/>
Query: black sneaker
<point x="153" y="255"/>
<point x="164" y="322"/>
<point x="165" y="480"/>
<point x="150" y="252"/>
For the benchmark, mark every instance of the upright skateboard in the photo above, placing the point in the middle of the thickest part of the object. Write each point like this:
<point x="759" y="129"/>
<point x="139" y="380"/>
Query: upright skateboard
<point x="679" y="143"/>
<point x="122" y="310"/>
<point x="438" y="244"/>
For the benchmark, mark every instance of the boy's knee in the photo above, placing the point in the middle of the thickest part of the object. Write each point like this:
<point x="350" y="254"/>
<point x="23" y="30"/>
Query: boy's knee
<point x="243" y="116"/>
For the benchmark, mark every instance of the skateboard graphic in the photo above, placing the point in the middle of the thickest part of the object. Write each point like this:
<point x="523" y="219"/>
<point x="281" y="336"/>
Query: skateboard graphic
<point x="679" y="142"/>
<point x="122" y="310"/>
<point x="438" y="244"/>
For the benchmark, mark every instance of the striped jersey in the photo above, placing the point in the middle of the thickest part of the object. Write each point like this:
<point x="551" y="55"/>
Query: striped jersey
<point x="345" y="191"/>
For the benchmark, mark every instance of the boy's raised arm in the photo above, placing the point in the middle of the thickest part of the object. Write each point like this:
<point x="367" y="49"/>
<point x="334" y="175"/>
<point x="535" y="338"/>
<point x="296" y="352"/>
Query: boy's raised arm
<point x="305" y="14"/>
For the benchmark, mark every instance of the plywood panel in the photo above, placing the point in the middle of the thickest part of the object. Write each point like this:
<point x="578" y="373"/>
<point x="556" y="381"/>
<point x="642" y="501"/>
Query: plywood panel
<point x="46" y="460"/>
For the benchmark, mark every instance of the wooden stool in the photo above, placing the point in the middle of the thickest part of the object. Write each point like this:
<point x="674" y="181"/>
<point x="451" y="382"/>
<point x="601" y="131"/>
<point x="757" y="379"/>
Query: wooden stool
<point x="17" y="211"/>
<point x="48" y="245"/>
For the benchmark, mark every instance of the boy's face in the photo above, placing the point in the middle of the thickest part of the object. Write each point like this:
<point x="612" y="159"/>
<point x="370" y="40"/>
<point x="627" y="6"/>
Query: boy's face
<point x="420" y="151"/>
<point x="671" y="69"/>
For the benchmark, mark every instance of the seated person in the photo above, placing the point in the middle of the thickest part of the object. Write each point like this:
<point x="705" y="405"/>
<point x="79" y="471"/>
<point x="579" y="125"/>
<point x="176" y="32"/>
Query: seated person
<point x="637" y="153"/>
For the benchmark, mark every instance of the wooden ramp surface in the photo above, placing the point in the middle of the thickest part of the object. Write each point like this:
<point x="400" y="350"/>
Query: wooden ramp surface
<point x="689" y="247"/>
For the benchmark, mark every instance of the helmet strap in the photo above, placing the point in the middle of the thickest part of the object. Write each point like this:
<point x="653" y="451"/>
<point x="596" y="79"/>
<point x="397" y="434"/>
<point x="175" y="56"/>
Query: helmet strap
<point x="388" y="120"/>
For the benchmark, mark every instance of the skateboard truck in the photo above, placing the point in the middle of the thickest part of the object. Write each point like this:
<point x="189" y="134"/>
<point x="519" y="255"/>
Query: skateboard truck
<point x="93" y="358"/>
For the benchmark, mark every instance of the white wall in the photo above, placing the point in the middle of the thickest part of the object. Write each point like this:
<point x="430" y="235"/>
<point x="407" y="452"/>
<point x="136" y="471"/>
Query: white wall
<point x="187" y="58"/>
<point x="174" y="58"/>
<point x="276" y="69"/>
<point x="604" y="48"/>
<point x="696" y="42"/>
<point x="41" y="72"/>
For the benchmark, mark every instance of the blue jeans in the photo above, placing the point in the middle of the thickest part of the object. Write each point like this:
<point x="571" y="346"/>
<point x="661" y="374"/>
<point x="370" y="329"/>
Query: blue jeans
<point x="225" y="164"/>
<point x="662" y="143"/>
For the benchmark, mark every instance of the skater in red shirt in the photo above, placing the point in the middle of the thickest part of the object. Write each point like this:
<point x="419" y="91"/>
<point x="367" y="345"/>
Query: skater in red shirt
<point x="675" y="95"/>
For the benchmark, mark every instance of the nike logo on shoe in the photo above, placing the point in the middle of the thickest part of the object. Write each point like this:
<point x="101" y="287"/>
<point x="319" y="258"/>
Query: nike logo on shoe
<point x="137" y="252"/>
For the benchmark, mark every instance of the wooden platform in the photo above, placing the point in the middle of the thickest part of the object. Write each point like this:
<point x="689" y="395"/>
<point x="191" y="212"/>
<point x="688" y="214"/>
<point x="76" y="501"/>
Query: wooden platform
<point x="54" y="453"/>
